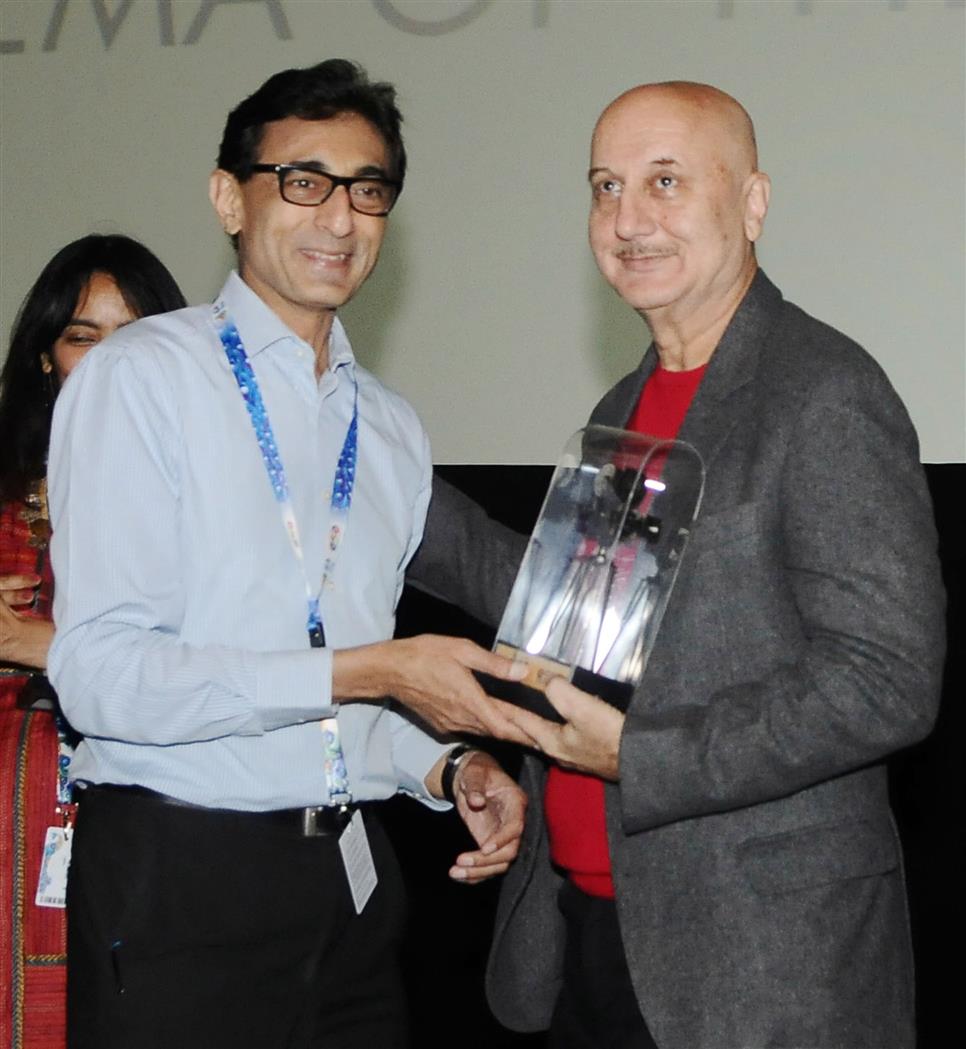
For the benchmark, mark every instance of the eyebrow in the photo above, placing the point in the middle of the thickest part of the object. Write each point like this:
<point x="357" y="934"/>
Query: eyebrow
<point x="664" y="162"/>
<point x="375" y="170"/>
<point x="83" y="322"/>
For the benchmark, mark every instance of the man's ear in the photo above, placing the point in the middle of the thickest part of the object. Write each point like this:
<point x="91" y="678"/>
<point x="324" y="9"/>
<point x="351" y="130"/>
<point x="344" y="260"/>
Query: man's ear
<point x="757" y="195"/>
<point x="225" y="196"/>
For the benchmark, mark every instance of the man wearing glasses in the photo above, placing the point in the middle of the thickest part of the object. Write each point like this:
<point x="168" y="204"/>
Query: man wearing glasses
<point x="235" y="502"/>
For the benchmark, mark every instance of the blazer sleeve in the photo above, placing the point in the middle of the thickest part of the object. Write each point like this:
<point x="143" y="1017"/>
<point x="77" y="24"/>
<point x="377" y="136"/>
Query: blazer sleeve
<point x="466" y="557"/>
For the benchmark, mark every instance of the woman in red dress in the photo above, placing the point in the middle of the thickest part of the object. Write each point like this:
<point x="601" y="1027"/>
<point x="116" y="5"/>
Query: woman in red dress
<point x="88" y="289"/>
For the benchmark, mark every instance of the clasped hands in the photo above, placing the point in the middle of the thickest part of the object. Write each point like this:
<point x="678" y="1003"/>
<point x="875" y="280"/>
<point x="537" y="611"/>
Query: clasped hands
<point x="490" y="804"/>
<point x="432" y="677"/>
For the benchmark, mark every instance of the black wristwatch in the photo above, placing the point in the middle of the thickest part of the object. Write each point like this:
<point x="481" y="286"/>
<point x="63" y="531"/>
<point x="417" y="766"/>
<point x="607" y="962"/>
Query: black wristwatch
<point x="454" y="759"/>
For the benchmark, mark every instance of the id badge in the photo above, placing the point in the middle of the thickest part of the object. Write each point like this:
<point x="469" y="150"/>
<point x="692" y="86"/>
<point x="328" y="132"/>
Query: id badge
<point x="357" y="860"/>
<point x="52" y="886"/>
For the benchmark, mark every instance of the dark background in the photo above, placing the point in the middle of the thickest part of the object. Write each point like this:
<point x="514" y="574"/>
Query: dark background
<point x="449" y="923"/>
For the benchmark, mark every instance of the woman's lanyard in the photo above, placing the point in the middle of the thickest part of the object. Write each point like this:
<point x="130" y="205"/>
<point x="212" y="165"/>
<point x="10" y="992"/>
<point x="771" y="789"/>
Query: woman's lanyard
<point x="342" y="487"/>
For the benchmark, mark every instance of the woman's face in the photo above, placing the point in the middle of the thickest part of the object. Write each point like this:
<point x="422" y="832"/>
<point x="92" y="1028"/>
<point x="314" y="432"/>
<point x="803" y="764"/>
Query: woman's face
<point x="100" y="310"/>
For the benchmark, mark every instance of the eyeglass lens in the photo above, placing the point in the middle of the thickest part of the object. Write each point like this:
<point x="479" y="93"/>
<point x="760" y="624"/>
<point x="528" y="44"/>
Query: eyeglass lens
<point x="308" y="188"/>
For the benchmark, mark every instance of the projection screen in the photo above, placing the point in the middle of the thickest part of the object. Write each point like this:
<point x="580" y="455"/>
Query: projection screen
<point x="486" y="309"/>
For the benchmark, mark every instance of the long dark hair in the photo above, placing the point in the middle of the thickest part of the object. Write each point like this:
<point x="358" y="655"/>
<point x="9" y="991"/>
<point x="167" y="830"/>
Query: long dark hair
<point x="26" y="392"/>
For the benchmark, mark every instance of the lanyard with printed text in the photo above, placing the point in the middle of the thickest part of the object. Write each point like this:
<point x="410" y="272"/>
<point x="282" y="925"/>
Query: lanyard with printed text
<point x="341" y="501"/>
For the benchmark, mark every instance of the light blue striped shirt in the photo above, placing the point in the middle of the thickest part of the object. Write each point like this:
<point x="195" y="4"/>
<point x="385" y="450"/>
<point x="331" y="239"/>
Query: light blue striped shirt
<point x="180" y="650"/>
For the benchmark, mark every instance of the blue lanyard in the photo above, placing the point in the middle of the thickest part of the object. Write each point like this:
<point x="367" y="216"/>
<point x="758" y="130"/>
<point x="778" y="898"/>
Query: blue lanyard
<point x="342" y="484"/>
<point x="336" y="774"/>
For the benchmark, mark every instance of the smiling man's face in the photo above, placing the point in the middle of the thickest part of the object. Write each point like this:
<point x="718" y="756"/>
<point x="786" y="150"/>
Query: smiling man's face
<point x="676" y="199"/>
<point x="303" y="261"/>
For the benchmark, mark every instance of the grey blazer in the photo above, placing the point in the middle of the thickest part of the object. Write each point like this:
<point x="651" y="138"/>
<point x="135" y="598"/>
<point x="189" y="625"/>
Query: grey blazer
<point x="757" y="869"/>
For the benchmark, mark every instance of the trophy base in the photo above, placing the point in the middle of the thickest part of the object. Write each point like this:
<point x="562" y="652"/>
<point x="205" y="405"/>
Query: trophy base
<point x="520" y="694"/>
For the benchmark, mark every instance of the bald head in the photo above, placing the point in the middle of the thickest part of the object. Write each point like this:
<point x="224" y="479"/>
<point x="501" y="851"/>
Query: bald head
<point x="677" y="202"/>
<point x="703" y="106"/>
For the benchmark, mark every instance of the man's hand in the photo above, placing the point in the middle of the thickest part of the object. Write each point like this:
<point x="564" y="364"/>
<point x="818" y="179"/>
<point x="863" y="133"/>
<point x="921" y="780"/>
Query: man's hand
<point x="492" y="806"/>
<point x="589" y="739"/>
<point x="431" y="676"/>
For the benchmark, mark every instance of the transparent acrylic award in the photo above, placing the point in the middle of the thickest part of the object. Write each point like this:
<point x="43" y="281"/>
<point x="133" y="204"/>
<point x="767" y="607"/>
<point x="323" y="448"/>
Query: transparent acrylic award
<point x="592" y="587"/>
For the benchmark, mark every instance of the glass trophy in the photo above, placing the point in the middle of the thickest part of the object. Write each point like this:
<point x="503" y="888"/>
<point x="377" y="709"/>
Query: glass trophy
<point x="597" y="573"/>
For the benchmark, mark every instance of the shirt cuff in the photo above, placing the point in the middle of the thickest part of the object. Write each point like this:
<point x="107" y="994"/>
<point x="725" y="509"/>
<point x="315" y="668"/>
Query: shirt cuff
<point x="293" y="687"/>
<point x="415" y="753"/>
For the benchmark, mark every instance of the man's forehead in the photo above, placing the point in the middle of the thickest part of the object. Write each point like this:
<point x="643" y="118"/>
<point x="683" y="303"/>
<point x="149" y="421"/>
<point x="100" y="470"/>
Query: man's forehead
<point x="347" y="130"/>
<point x="661" y="140"/>
<point x="658" y="125"/>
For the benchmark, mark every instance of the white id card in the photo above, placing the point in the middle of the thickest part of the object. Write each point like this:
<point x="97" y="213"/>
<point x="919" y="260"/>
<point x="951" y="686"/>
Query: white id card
<point x="52" y="886"/>
<point x="357" y="860"/>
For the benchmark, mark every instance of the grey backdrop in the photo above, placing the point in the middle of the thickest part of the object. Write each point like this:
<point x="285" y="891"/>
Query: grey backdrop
<point x="486" y="310"/>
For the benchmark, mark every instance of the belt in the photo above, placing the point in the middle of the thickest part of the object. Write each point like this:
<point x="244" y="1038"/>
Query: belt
<point x="313" y="821"/>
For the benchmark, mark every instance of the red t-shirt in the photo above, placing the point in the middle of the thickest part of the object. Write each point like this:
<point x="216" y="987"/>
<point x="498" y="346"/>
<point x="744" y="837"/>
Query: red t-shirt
<point x="573" y="801"/>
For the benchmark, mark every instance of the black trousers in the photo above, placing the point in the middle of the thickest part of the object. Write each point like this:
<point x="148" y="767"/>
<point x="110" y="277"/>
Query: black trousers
<point x="190" y="929"/>
<point x="597" y="1007"/>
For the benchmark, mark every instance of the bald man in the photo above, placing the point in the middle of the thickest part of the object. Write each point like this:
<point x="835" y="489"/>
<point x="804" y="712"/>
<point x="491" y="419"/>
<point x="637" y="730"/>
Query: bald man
<point x="719" y="868"/>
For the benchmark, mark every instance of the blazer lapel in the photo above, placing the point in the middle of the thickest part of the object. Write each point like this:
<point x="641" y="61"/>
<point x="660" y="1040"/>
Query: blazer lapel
<point x="725" y="391"/>
<point x="732" y="367"/>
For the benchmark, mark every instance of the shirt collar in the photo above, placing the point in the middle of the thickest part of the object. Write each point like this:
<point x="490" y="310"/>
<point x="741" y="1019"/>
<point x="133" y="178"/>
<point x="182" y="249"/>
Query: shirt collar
<point x="260" y="327"/>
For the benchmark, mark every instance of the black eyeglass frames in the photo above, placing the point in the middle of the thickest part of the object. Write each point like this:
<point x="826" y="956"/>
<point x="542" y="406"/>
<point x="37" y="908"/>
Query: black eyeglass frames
<point x="308" y="187"/>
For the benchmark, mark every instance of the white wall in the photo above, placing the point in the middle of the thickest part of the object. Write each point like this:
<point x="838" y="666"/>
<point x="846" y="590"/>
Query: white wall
<point x="486" y="309"/>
